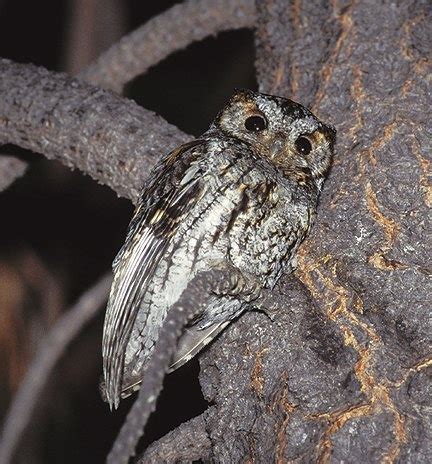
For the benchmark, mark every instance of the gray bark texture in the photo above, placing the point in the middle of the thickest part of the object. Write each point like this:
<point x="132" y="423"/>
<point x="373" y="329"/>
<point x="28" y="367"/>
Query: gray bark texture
<point x="342" y="371"/>
<point x="112" y="139"/>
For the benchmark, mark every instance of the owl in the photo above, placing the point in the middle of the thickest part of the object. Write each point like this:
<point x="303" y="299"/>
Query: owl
<point x="241" y="196"/>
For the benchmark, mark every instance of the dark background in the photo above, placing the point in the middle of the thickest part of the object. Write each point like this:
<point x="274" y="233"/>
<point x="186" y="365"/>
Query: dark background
<point x="60" y="230"/>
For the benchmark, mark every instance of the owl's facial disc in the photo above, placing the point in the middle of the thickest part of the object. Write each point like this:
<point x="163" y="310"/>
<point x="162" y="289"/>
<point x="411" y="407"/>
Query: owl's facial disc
<point x="283" y="131"/>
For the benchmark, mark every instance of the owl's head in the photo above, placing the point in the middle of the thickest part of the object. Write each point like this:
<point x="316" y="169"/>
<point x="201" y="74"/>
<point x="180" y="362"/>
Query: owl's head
<point x="288" y="134"/>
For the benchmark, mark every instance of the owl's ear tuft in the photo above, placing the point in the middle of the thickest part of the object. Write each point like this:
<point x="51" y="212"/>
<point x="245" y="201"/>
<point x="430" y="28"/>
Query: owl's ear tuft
<point x="242" y="95"/>
<point x="331" y="133"/>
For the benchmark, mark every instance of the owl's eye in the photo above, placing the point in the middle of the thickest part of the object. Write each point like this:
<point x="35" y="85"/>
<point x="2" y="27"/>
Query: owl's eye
<point x="303" y="145"/>
<point x="256" y="123"/>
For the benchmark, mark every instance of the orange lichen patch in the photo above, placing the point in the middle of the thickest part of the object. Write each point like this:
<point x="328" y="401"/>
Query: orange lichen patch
<point x="391" y="230"/>
<point x="407" y="85"/>
<point x="377" y="394"/>
<point x="358" y="95"/>
<point x="278" y="76"/>
<point x="421" y="66"/>
<point x="327" y="70"/>
<point x="257" y="378"/>
<point x="337" y="300"/>
<point x="281" y="434"/>
<point x="389" y="226"/>
<point x="337" y="421"/>
<point x="383" y="263"/>
<point x="282" y="403"/>
<point x="423" y="364"/>
<point x="425" y="172"/>
<point x="339" y="196"/>
<point x="368" y="155"/>
<point x="356" y="89"/>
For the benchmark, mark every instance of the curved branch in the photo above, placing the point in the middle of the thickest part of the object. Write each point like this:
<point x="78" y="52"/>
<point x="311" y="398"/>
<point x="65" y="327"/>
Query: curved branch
<point x="11" y="169"/>
<point x="186" y="443"/>
<point x="131" y="56"/>
<point x="63" y="332"/>
<point x="191" y="302"/>
<point x="172" y="30"/>
<point x="110" y="138"/>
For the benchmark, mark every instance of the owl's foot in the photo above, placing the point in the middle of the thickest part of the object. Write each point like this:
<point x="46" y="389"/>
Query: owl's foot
<point x="239" y="284"/>
<point x="262" y="308"/>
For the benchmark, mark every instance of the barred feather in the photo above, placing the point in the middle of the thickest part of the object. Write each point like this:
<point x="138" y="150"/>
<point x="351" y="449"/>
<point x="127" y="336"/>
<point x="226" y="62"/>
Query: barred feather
<point x="150" y="233"/>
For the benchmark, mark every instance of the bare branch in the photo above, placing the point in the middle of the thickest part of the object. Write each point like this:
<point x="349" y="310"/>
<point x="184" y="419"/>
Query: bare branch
<point x="11" y="169"/>
<point x="133" y="55"/>
<point x="94" y="25"/>
<point x="110" y="138"/>
<point x="192" y="301"/>
<point x="63" y="332"/>
<point x="188" y="442"/>
<point x="172" y="30"/>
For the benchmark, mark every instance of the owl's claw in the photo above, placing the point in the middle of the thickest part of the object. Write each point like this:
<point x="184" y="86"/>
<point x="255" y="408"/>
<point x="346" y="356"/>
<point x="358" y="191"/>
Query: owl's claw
<point x="270" y="313"/>
<point x="240" y="285"/>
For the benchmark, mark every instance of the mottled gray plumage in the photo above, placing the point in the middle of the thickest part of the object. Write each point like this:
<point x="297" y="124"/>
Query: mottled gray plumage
<point x="241" y="196"/>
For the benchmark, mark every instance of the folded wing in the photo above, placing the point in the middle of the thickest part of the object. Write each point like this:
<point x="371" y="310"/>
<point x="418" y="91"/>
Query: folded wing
<point x="168" y="197"/>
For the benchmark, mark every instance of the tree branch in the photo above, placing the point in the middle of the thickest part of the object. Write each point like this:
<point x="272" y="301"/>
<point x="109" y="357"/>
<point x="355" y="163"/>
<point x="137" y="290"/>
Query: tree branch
<point x="193" y="300"/>
<point x="93" y="26"/>
<point x="11" y="169"/>
<point x="104" y="135"/>
<point x="188" y="442"/>
<point x="172" y="30"/>
<point x="133" y="55"/>
<point x="51" y="349"/>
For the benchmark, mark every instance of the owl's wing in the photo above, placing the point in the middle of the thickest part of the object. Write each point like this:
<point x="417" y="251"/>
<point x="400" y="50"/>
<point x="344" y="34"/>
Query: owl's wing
<point x="193" y="340"/>
<point x="168" y="197"/>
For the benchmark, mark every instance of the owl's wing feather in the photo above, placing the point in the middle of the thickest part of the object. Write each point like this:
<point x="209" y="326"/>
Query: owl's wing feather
<point x="168" y="197"/>
<point x="193" y="340"/>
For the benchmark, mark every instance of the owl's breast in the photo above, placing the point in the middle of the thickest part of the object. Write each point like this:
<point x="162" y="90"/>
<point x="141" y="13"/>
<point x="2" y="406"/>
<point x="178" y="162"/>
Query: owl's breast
<point x="260" y="222"/>
<point x="264" y="237"/>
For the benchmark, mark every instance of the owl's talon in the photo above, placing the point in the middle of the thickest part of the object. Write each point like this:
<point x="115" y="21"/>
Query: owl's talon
<point x="270" y="313"/>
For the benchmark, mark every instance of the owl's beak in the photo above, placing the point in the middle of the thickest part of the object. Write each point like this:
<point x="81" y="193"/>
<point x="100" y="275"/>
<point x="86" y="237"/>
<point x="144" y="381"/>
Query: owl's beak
<point x="280" y="148"/>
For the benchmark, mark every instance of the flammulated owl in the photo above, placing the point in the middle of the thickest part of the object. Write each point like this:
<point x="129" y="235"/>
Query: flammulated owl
<point x="242" y="195"/>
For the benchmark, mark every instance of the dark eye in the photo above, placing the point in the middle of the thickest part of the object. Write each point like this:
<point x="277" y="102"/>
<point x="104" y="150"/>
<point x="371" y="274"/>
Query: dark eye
<point x="255" y="123"/>
<point x="303" y="145"/>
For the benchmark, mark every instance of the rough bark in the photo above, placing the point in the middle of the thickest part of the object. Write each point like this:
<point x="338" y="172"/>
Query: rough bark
<point x="187" y="443"/>
<point x="112" y="139"/>
<point x="343" y="372"/>
<point x="134" y="54"/>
